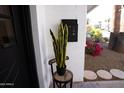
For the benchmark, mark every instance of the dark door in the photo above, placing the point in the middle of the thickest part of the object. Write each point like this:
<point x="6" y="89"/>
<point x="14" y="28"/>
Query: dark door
<point x="17" y="61"/>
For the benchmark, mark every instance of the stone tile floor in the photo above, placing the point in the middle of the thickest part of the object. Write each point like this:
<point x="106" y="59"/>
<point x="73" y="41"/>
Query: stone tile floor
<point x="99" y="84"/>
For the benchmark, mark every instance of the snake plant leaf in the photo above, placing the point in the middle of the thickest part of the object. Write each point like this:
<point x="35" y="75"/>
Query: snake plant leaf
<point x="53" y="37"/>
<point x="60" y="44"/>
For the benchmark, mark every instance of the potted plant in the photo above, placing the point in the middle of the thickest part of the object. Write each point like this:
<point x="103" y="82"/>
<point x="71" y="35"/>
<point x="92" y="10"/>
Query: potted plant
<point x="60" y="45"/>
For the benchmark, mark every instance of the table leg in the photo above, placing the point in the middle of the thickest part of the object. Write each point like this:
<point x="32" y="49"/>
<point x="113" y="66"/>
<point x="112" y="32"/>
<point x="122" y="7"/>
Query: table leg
<point x="64" y="86"/>
<point x="60" y="86"/>
<point x="71" y="83"/>
<point x="53" y="84"/>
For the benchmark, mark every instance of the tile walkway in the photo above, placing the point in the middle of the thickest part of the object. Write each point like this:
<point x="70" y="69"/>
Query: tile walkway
<point x="98" y="84"/>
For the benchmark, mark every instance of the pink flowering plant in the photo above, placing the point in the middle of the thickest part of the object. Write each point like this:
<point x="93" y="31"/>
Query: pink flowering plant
<point x="93" y="49"/>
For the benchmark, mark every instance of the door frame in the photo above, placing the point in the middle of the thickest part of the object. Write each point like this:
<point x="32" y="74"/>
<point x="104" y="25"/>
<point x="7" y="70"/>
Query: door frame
<point x="23" y="12"/>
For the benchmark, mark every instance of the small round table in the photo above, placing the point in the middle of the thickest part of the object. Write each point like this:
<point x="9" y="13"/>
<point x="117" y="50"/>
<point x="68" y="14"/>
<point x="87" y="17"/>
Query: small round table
<point x="62" y="81"/>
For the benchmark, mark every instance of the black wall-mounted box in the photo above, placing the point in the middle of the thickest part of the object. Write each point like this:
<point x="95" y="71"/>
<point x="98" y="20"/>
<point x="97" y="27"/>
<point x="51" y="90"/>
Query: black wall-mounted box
<point x="73" y="29"/>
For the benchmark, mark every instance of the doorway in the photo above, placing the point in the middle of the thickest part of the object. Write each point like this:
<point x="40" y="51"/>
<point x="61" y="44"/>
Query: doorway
<point x="17" y="59"/>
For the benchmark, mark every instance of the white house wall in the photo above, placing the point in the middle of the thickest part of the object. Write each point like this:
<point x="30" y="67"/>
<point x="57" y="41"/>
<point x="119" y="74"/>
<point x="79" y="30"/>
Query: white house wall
<point x="38" y="29"/>
<point x="75" y="50"/>
<point x="50" y="17"/>
<point x="37" y="45"/>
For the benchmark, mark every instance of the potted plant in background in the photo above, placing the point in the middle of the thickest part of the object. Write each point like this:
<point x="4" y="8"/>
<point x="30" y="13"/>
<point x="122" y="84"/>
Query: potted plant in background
<point x="60" y="45"/>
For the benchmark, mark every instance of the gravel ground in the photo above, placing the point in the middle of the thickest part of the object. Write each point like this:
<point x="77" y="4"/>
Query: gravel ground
<point x="107" y="60"/>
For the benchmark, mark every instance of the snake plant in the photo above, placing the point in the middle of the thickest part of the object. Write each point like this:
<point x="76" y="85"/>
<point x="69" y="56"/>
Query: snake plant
<point x="60" y="44"/>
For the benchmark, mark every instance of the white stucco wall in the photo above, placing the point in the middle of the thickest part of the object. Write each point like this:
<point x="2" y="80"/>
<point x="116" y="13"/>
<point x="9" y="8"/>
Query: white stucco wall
<point x="36" y="40"/>
<point x="49" y="17"/>
<point x="75" y="50"/>
<point x="39" y="39"/>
